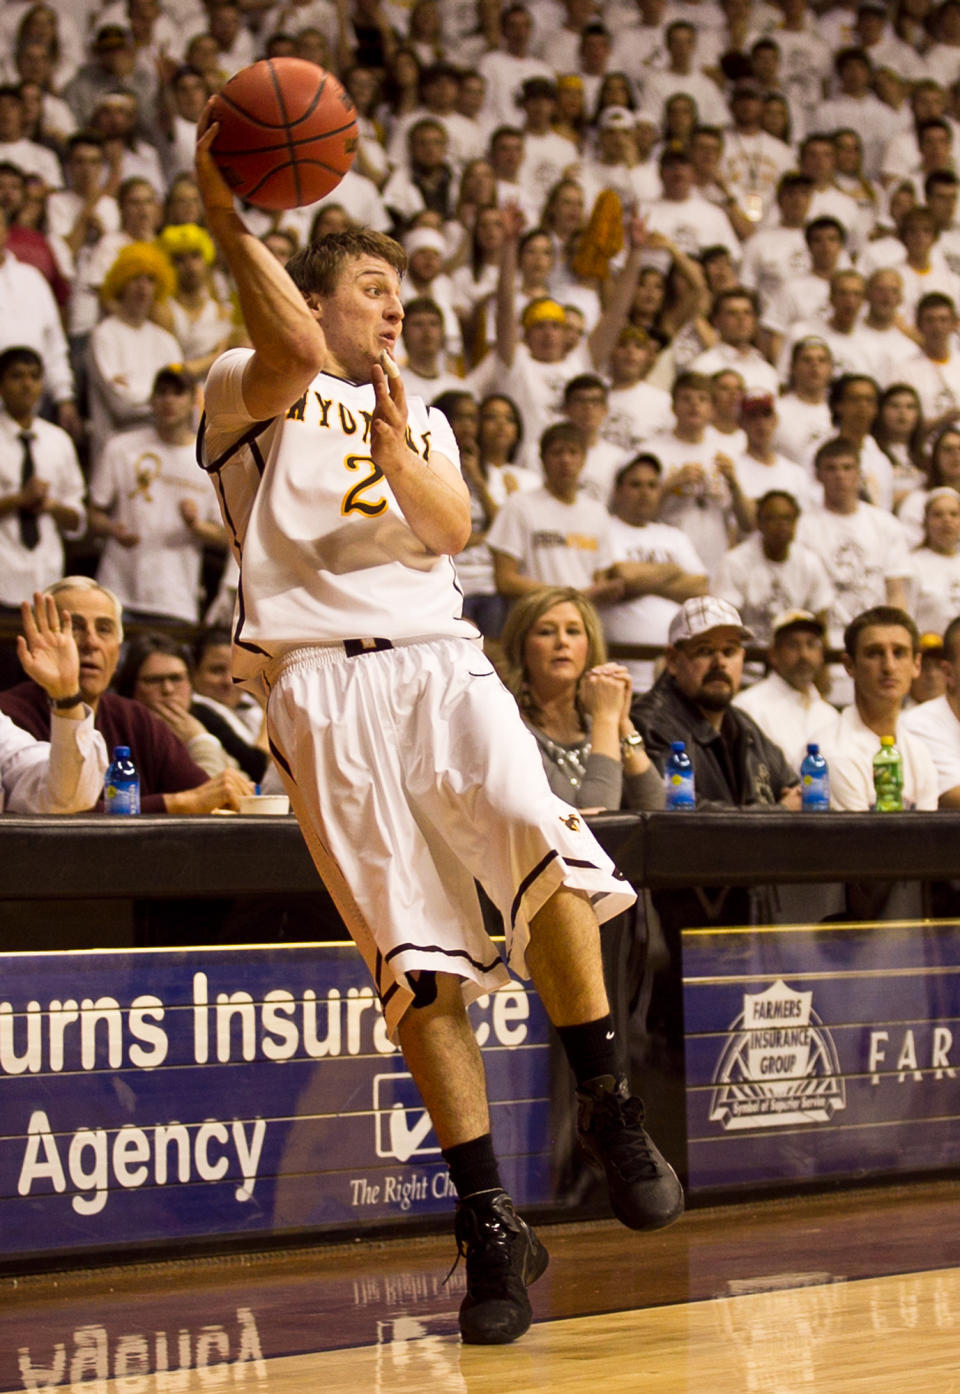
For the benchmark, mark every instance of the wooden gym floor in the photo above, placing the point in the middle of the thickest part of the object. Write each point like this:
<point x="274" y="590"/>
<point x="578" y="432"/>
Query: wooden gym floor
<point x="851" y="1292"/>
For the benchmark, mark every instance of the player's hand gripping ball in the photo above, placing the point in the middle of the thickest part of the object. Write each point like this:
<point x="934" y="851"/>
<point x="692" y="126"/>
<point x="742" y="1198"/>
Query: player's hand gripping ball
<point x="288" y="133"/>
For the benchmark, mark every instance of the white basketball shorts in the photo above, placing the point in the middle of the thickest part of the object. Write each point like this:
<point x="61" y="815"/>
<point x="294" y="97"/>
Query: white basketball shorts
<point x="411" y="773"/>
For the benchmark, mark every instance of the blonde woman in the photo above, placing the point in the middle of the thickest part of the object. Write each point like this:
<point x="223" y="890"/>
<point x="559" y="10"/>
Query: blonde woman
<point x="576" y="703"/>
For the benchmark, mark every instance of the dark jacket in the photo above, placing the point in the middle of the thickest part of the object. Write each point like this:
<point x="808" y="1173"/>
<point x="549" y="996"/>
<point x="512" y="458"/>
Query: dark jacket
<point x="740" y="768"/>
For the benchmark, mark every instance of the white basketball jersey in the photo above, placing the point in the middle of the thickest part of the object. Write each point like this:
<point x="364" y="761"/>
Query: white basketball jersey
<point x="325" y="552"/>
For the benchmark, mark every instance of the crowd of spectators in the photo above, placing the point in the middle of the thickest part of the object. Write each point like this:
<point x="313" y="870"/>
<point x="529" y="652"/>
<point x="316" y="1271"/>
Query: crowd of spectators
<point x="683" y="275"/>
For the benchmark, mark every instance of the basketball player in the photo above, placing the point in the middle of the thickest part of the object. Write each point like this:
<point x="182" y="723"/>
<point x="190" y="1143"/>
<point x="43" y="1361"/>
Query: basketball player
<point x="403" y="755"/>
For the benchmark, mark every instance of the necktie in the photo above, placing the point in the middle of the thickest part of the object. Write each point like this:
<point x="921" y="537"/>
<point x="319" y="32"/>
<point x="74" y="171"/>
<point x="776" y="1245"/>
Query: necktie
<point x="29" y="523"/>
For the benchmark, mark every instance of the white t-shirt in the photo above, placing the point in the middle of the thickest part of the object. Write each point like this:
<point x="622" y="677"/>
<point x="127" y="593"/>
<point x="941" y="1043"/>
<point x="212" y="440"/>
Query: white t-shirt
<point x="911" y="514"/>
<point x="772" y="257"/>
<point x="325" y="552"/>
<point x="758" y="375"/>
<point x="141" y="480"/>
<point x="884" y="353"/>
<point x="693" y="224"/>
<point x="790" y="718"/>
<point x="936" y="597"/>
<point x="802" y="428"/>
<point x="752" y="165"/>
<point x="935" y="725"/>
<point x="860" y="551"/>
<point x="645" y="619"/>
<point x="756" y="479"/>
<point x="762" y="589"/>
<point x="475" y="564"/>
<point x="123" y="364"/>
<point x="937" y="384"/>
<point x="849" y="754"/>
<point x="635" y="414"/>
<point x="703" y="512"/>
<point x="558" y="544"/>
<point x="600" y="469"/>
<point x="537" y="389"/>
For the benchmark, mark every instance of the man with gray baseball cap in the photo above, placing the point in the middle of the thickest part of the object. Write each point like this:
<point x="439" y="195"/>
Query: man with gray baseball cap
<point x="734" y="763"/>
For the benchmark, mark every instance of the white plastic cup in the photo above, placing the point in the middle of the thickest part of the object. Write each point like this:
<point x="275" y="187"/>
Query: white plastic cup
<point x="265" y="804"/>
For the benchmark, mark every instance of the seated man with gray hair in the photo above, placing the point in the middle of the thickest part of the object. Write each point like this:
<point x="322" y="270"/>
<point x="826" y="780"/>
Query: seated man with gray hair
<point x="65" y="773"/>
<point x="170" y="782"/>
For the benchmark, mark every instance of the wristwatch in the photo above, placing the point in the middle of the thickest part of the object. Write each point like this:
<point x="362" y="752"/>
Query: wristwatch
<point x="63" y="704"/>
<point x="631" y="744"/>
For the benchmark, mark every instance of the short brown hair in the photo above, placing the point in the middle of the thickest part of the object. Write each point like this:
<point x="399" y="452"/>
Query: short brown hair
<point x="883" y="616"/>
<point x="317" y="268"/>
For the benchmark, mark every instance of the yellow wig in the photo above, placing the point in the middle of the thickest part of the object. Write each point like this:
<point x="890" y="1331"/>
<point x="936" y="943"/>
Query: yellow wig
<point x="139" y="259"/>
<point x="187" y="237"/>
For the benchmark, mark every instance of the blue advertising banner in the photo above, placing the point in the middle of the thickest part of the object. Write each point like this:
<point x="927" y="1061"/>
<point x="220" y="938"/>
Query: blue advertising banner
<point x="817" y="1051"/>
<point x="159" y="1095"/>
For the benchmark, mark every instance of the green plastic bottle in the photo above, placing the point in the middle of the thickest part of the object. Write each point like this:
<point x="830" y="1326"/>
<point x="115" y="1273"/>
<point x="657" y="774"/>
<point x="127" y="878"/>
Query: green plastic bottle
<point x="888" y="777"/>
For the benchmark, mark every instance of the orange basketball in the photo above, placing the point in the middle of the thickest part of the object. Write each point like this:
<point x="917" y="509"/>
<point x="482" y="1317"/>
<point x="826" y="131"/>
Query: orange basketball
<point x="288" y="133"/>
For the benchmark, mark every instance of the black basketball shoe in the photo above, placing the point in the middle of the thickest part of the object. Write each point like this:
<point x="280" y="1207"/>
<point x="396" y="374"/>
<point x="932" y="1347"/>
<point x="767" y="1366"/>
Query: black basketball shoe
<point x="503" y="1257"/>
<point x="645" y="1192"/>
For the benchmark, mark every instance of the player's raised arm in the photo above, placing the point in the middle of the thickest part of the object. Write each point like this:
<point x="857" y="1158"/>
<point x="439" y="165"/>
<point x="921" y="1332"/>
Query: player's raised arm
<point x="289" y="344"/>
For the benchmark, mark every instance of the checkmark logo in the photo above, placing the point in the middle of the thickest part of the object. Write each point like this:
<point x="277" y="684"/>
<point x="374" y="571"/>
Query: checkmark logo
<point x="403" y="1126"/>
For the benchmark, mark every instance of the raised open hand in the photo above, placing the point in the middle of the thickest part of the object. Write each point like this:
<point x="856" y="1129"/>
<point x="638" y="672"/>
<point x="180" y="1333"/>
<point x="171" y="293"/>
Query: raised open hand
<point x="47" y="649"/>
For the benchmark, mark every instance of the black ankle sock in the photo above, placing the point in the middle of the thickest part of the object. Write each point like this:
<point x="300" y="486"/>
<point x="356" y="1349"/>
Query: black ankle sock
<point x="473" y="1166"/>
<point x="591" y="1049"/>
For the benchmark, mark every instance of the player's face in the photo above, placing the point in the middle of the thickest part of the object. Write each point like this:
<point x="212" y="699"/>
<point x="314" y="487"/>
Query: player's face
<point x="214" y="676"/>
<point x="708" y="669"/>
<point x="555" y="649"/>
<point x="162" y="679"/>
<point x="884" y="664"/>
<point x="363" y="316"/>
<point x="98" y="638"/>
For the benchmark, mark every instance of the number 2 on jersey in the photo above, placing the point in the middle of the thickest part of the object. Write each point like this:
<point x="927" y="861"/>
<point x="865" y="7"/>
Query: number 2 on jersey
<point x="352" y="502"/>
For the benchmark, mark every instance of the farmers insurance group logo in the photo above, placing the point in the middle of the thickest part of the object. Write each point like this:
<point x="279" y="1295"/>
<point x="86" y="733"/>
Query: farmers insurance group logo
<point x="779" y="1066"/>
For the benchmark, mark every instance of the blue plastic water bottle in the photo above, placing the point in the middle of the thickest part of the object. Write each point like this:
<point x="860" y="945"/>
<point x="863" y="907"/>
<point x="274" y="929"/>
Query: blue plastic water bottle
<point x="121" y="792"/>
<point x="814" y="781"/>
<point x="678" y="778"/>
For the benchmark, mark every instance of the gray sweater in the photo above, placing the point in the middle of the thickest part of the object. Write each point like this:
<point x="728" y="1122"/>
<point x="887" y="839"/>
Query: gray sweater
<point x="586" y="779"/>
